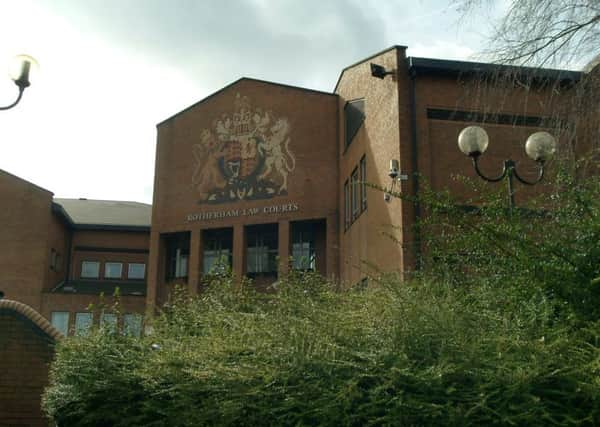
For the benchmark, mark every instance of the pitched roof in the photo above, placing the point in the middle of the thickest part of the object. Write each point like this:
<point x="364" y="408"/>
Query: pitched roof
<point x="33" y="316"/>
<point x="105" y="214"/>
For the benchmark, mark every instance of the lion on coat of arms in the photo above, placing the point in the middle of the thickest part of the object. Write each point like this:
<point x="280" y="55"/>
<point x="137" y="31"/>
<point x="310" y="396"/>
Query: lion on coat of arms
<point x="245" y="156"/>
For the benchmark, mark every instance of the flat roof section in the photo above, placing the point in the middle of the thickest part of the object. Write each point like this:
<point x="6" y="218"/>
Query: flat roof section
<point x="106" y="213"/>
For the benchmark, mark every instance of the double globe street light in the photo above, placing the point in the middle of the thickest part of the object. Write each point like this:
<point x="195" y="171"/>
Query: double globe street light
<point x="19" y="72"/>
<point x="540" y="147"/>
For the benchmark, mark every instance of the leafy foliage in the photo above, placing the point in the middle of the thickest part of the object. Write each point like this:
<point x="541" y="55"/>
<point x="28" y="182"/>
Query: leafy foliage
<point x="420" y="353"/>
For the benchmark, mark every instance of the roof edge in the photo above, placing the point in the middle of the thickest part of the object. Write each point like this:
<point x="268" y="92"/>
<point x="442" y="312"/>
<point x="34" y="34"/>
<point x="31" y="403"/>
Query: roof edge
<point x="396" y="46"/>
<point x="458" y="67"/>
<point x="33" y="316"/>
<point x="25" y="181"/>
<point x="206" y="98"/>
<point x="111" y="227"/>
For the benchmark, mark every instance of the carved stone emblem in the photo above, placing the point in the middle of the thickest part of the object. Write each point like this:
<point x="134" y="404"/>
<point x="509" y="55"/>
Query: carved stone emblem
<point x="243" y="156"/>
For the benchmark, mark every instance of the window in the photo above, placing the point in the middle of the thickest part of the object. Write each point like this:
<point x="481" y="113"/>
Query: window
<point x="347" y="216"/>
<point x="355" y="194"/>
<point x="354" y="115"/>
<point x="132" y="325"/>
<point x="136" y="271"/>
<point x="262" y="249"/>
<point x="83" y="323"/>
<point x="178" y="251"/>
<point x="109" y="321"/>
<point x="60" y="320"/>
<point x="113" y="270"/>
<point x="363" y="183"/>
<point x="218" y="247"/>
<point x="53" y="255"/>
<point x="303" y="247"/>
<point x="90" y="269"/>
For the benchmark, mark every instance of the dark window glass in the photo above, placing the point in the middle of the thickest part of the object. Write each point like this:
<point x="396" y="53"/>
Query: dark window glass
<point x="218" y="247"/>
<point x="178" y="252"/>
<point x="354" y="114"/>
<point x="303" y="246"/>
<point x="261" y="250"/>
<point x="363" y="183"/>
<point x="355" y="194"/>
<point x="347" y="214"/>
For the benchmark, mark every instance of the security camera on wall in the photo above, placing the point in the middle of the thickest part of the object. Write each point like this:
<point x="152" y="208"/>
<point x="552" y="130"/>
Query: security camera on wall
<point x="394" y="167"/>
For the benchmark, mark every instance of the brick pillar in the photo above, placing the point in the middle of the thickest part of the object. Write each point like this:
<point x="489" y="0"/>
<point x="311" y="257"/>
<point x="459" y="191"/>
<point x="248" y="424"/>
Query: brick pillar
<point x="195" y="261"/>
<point x="239" y="250"/>
<point x="154" y="269"/>
<point x="284" y="246"/>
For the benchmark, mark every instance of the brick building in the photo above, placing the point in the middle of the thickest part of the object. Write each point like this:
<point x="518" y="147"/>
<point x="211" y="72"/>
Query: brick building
<point x="263" y="177"/>
<point x="260" y="173"/>
<point x="59" y="255"/>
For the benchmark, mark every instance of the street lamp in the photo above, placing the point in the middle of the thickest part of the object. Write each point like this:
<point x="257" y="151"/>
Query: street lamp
<point x="540" y="146"/>
<point x="19" y="72"/>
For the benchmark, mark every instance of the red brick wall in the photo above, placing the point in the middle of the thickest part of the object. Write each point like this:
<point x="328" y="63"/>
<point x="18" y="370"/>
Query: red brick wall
<point x="25" y="353"/>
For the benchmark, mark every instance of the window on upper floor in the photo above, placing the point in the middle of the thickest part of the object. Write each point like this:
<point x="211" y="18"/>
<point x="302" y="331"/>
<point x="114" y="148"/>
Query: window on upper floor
<point x="354" y="116"/>
<point x="90" y="269"/>
<point x="136" y="270"/>
<point x="113" y="270"/>
<point x="355" y="194"/>
<point x="347" y="214"/>
<point x="363" y="183"/>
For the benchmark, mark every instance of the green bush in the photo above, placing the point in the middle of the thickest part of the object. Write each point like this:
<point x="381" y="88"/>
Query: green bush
<point x="420" y="353"/>
<point x="552" y="243"/>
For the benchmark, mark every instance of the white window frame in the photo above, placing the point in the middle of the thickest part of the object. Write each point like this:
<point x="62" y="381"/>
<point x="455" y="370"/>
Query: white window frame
<point x="61" y="325"/>
<point x="111" y="264"/>
<point x="83" y="263"/>
<point x="136" y="264"/>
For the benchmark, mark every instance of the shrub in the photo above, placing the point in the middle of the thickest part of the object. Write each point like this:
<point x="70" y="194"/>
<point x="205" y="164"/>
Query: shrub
<point x="420" y="353"/>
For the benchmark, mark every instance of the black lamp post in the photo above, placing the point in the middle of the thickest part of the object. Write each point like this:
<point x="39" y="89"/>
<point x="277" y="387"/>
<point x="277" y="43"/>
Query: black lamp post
<point x="540" y="147"/>
<point x="20" y="75"/>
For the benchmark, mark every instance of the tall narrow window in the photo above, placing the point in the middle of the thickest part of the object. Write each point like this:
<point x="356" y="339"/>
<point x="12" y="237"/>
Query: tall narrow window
<point x="178" y="251"/>
<point x="347" y="214"/>
<point x="354" y="115"/>
<point x="363" y="183"/>
<point x="218" y="247"/>
<point x="60" y="320"/>
<point x="262" y="249"/>
<point x="355" y="194"/>
<point x="303" y="246"/>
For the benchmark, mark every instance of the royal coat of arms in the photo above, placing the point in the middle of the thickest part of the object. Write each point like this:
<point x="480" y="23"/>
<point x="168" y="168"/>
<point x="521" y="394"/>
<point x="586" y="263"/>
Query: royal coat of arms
<point x="244" y="156"/>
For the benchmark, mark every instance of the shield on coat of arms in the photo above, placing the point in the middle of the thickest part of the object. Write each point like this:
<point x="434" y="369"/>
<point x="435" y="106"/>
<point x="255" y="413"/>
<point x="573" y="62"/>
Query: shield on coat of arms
<point x="242" y="158"/>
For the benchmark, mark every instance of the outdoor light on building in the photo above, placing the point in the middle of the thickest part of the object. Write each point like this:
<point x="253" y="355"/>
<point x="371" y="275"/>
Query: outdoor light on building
<point x="396" y="176"/>
<point x="540" y="147"/>
<point x="379" y="71"/>
<point x="19" y="72"/>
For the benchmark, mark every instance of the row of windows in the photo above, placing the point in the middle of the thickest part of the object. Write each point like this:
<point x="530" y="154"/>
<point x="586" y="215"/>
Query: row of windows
<point x="262" y="249"/>
<point x="355" y="193"/>
<point x="132" y="322"/>
<point x="112" y="270"/>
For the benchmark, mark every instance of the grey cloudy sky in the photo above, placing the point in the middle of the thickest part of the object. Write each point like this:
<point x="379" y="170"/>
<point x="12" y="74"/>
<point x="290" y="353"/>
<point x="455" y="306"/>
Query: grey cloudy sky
<point x="111" y="69"/>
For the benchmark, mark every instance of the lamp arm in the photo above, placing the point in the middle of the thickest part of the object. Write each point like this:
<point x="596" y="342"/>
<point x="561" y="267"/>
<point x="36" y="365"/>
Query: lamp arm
<point x="495" y="179"/>
<point x="21" y="89"/>
<point x="538" y="179"/>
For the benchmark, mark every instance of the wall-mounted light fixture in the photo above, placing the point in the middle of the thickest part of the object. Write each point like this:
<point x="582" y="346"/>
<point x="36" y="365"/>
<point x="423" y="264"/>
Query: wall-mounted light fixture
<point x="540" y="147"/>
<point x="19" y="73"/>
<point x="379" y="71"/>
